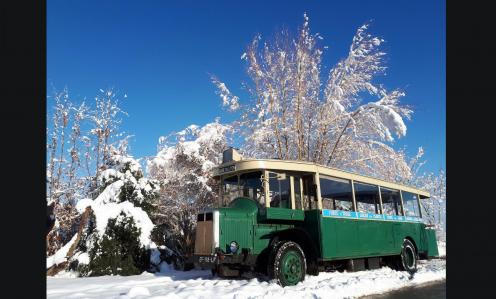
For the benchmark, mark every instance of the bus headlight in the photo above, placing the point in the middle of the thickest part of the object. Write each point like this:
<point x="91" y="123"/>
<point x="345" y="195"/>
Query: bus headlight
<point x="233" y="247"/>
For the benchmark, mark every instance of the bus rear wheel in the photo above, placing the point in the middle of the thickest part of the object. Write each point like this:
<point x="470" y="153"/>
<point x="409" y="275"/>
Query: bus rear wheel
<point x="288" y="266"/>
<point x="408" y="257"/>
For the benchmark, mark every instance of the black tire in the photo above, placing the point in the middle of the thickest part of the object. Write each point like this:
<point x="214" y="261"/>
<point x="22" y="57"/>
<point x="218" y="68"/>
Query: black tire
<point x="289" y="265"/>
<point x="271" y="257"/>
<point x="408" y="257"/>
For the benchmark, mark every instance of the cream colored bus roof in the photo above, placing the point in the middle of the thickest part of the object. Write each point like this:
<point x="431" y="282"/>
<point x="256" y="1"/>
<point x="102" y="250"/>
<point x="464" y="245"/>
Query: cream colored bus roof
<point x="289" y="165"/>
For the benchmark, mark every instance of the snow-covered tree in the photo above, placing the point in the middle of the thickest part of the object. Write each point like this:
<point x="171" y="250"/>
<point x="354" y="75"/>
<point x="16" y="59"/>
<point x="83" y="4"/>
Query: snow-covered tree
<point x="79" y="137"/>
<point x="114" y="235"/>
<point x="61" y="168"/>
<point x="183" y="165"/>
<point x="343" y="119"/>
<point x="434" y="208"/>
<point x="105" y="121"/>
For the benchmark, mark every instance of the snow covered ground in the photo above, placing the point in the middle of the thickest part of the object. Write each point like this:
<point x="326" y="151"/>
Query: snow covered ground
<point x="199" y="284"/>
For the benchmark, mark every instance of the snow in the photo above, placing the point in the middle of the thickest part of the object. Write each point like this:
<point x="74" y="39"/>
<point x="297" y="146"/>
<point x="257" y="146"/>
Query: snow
<point x="60" y="255"/>
<point x="155" y="256"/>
<point x="83" y="258"/>
<point x="104" y="209"/>
<point x="441" y="247"/>
<point x="137" y="291"/>
<point x="228" y="99"/>
<point x="200" y="284"/>
<point x="111" y="210"/>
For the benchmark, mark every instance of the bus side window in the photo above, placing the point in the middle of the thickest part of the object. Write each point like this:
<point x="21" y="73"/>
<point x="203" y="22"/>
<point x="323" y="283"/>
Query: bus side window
<point x="336" y="194"/>
<point x="367" y="198"/>
<point x="410" y="204"/>
<point x="391" y="201"/>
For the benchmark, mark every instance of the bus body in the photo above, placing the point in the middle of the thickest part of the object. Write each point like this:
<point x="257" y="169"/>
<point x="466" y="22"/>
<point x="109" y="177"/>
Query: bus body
<point x="291" y="218"/>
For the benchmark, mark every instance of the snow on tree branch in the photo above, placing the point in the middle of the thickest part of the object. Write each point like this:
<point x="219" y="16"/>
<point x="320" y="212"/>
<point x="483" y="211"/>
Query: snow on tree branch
<point x="183" y="165"/>
<point x="294" y="113"/>
<point x="228" y="99"/>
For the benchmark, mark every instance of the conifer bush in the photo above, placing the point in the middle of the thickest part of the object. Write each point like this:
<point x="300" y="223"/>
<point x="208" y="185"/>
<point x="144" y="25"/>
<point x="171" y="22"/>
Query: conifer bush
<point x="119" y="251"/>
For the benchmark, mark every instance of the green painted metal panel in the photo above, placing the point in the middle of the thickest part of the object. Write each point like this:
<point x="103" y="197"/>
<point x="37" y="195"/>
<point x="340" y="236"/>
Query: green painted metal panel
<point x="339" y="237"/>
<point x="284" y="214"/>
<point x="311" y="225"/>
<point x="252" y="226"/>
<point x="374" y="237"/>
<point x="237" y="228"/>
<point x="401" y="230"/>
<point x="264" y="233"/>
<point x="243" y="205"/>
<point x="432" y="250"/>
<point x="236" y="224"/>
<point x="262" y="236"/>
<point x="352" y="238"/>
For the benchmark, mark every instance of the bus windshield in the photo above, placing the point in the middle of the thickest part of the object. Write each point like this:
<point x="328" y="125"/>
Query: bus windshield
<point x="243" y="185"/>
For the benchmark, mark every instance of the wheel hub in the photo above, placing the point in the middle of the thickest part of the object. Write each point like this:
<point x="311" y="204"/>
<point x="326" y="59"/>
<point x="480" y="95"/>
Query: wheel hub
<point x="291" y="268"/>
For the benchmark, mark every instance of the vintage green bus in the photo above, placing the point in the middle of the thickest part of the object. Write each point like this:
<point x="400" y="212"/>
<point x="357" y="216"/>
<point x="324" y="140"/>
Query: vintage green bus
<point x="290" y="218"/>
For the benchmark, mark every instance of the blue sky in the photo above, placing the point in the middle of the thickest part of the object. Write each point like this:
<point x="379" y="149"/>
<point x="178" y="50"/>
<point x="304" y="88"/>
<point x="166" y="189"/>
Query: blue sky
<point x="160" y="54"/>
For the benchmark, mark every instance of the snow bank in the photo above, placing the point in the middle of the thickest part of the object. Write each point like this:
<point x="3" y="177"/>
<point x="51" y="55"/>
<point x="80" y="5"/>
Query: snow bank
<point x="200" y="284"/>
<point x="137" y="291"/>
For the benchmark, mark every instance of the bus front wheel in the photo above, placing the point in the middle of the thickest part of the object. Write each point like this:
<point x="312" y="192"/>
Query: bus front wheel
<point x="408" y="257"/>
<point x="288" y="266"/>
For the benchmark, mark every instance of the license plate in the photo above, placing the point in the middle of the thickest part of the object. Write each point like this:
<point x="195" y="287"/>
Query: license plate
<point x="205" y="261"/>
